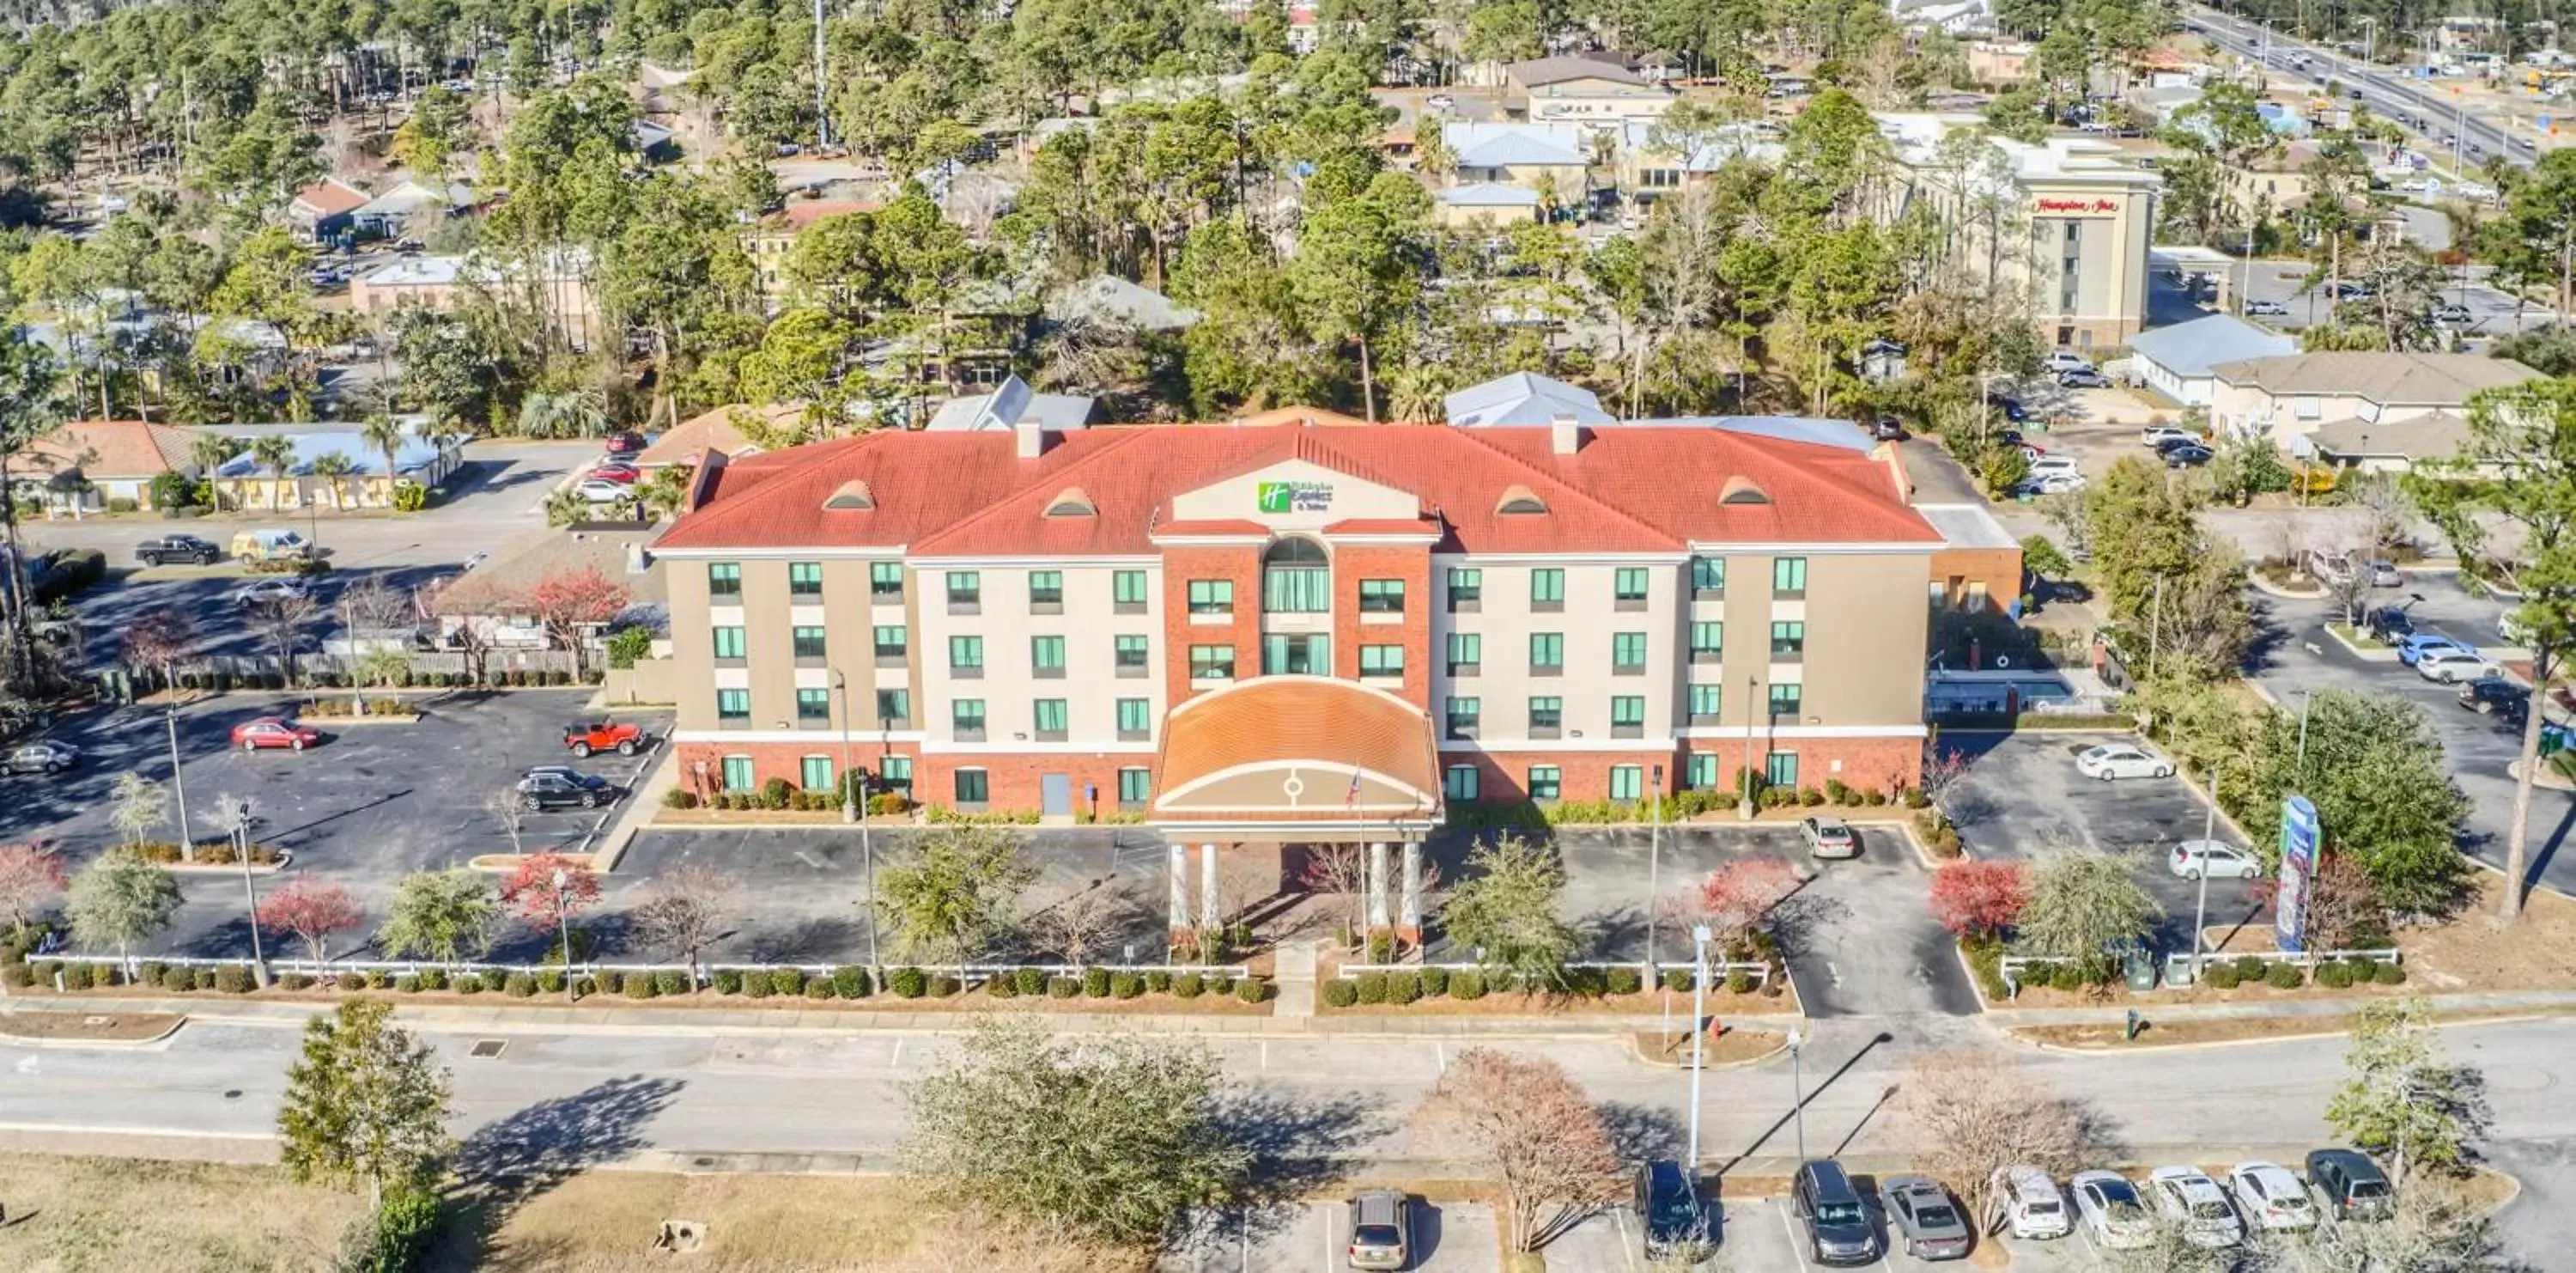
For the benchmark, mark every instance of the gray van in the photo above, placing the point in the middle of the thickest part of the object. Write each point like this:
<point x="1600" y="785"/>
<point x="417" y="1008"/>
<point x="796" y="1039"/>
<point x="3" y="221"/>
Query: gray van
<point x="1838" y="1225"/>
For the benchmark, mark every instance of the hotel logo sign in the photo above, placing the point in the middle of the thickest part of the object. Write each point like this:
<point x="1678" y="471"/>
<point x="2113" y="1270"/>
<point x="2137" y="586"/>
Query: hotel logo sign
<point x="2080" y="207"/>
<point x="1296" y="497"/>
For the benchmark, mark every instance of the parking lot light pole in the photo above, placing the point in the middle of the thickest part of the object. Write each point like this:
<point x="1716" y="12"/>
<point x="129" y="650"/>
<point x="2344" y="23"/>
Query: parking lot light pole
<point x="179" y="782"/>
<point x="241" y="814"/>
<point x="2200" y="912"/>
<point x="1655" y="884"/>
<point x="1699" y="1031"/>
<point x="849" y="789"/>
<point x="563" y="926"/>
<point x="1798" y="1092"/>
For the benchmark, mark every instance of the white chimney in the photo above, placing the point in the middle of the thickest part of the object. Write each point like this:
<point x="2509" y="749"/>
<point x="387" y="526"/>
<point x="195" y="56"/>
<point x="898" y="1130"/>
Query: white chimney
<point x="637" y="559"/>
<point x="1565" y="435"/>
<point x="1033" y="439"/>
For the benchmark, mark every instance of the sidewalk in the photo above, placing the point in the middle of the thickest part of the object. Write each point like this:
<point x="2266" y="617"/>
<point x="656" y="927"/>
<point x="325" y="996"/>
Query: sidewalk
<point x="2501" y="1002"/>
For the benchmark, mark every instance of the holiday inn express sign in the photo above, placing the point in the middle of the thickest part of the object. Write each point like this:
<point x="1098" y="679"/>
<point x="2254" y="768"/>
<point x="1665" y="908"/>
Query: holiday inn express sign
<point x="1295" y="497"/>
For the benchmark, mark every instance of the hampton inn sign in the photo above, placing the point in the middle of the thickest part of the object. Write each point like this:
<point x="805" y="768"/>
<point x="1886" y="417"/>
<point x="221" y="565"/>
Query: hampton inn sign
<point x="2079" y="207"/>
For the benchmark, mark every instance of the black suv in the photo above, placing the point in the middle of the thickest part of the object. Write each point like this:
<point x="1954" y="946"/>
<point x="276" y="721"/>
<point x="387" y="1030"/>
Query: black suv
<point x="2495" y="696"/>
<point x="2354" y="1186"/>
<point x="563" y="789"/>
<point x="1676" y="1223"/>
<point x="169" y="548"/>
<point x="1838" y="1226"/>
<point x="2387" y="625"/>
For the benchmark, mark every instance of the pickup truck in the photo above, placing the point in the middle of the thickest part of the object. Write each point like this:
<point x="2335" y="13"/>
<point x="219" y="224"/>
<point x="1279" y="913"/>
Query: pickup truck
<point x="606" y="735"/>
<point x="170" y="548"/>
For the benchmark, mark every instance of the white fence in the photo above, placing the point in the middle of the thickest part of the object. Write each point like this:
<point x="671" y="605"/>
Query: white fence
<point x="1647" y="974"/>
<point x="699" y="974"/>
<point x="2011" y="966"/>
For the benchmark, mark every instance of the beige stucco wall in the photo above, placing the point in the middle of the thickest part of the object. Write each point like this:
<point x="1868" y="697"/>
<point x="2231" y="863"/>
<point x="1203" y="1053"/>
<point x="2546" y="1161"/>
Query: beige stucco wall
<point x="1009" y="686"/>
<point x="1503" y="684"/>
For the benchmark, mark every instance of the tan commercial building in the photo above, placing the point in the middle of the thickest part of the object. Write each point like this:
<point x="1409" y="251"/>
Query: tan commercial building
<point x="2294" y="398"/>
<point x="2066" y="224"/>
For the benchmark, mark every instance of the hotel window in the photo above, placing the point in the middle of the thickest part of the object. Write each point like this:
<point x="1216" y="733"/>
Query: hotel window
<point x="1544" y="782"/>
<point x="808" y="643"/>
<point x="1127" y="591"/>
<point x="813" y="707"/>
<point x="1628" y="654"/>
<point x="1547" y="716"/>
<point x="804" y="579"/>
<point x="1705" y="703"/>
<point x="1459" y="782"/>
<point x="814" y="773"/>
<point x="1211" y="596"/>
<point x="893" y="643"/>
<point x="1788" y="641"/>
<point x="1131" y="654"/>
<point x="1708" y="576"/>
<point x="1052" y="720"/>
<point x="966" y="656"/>
<point x="1789" y="577"/>
<point x="1464" y="713"/>
<point x="1547" y="654"/>
<point x="729" y="644"/>
<point x="1780" y="769"/>
<point x="737" y="773"/>
<point x="885" y="581"/>
<point x="894" y="708"/>
<point x="1135" y="719"/>
<point x="1381" y="596"/>
<point x="1296" y="578"/>
<point x="1627" y="782"/>
<point x="1046" y="657"/>
<point x="1466" y="653"/>
<point x="733" y="707"/>
<point x="1702" y="774"/>
<point x="1135" y="787"/>
<point x="1708" y="642"/>
<point x="1547" y="589"/>
<point x="724" y="582"/>
<point x="1627" y="716"/>
<point x="1211" y="663"/>
<point x="966" y="719"/>
<point x="965" y="592"/>
<point x="1628" y="589"/>
<point x="1382" y="661"/>
<point x="1786" y="700"/>
<point x="1046" y="592"/>
<point x="1466" y="590"/>
<point x="972" y="788"/>
<point x="894" y="773"/>
<point x="1296" y="655"/>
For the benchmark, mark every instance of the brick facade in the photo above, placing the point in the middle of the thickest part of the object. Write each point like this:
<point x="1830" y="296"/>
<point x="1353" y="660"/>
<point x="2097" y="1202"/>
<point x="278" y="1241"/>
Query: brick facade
<point x="1242" y="629"/>
<point x="1411" y="631"/>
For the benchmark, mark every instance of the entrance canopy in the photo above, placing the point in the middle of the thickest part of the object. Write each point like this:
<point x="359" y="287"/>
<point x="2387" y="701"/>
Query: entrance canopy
<point x="1305" y="758"/>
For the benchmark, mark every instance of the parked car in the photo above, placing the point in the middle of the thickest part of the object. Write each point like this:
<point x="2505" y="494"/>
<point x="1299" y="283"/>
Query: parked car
<point x="2496" y="696"/>
<point x="2033" y="1208"/>
<point x="1925" y="1219"/>
<point x="2328" y="568"/>
<point x="1381" y="1229"/>
<point x="2187" y="456"/>
<point x="170" y="548"/>
<point x="1838" y="1227"/>
<point x="2188" y="1199"/>
<point x="2193" y="859"/>
<point x="40" y="757"/>
<point x="600" y="490"/>
<point x="1889" y="429"/>
<point x="1675" y="1223"/>
<point x="2054" y="483"/>
<point x="625" y="442"/>
<point x="2266" y="309"/>
<point x="2384" y="573"/>
<point x="2388" y="625"/>
<point x="2452" y="315"/>
<point x="2043" y="465"/>
<point x="583" y="738"/>
<point x="269" y="545"/>
<point x="260" y="592"/>
<point x="2353" y="1187"/>
<point x="263" y="732"/>
<point x="1829" y="837"/>
<point x="2084" y="379"/>
<point x="2011" y="409"/>
<point x="2064" y="360"/>
<point x="2509" y="630"/>
<point x="2270" y="1197"/>
<point x="556" y="789"/>
<point x="622" y="474"/>
<point x="2112" y="1213"/>
<point x="2450" y="667"/>
<point x="2121" y="760"/>
<point x="2416" y="645"/>
<point x="2156" y="435"/>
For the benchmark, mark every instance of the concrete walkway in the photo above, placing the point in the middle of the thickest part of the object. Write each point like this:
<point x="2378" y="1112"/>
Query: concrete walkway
<point x="2502" y="1002"/>
<point x="1296" y="968"/>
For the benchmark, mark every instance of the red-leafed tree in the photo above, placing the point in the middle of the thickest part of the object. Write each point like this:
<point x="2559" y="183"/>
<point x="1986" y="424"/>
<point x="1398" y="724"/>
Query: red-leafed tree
<point x="32" y="878"/>
<point x="2344" y="909"/>
<point x="532" y="889"/>
<point x="1534" y="1129"/>
<point x="157" y="641"/>
<point x="1738" y="896"/>
<point x="1979" y="899"/>
<point x="569" y="603"/>
<point x="313" y="911"/>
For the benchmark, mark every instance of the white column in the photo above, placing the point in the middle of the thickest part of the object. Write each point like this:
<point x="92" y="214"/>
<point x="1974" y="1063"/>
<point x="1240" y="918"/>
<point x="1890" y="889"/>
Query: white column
<point x="1377" y="916"/>
<point x="1412" y="912"/>
<point x="1207" y="887"/>
<point x="1180" y="872"/>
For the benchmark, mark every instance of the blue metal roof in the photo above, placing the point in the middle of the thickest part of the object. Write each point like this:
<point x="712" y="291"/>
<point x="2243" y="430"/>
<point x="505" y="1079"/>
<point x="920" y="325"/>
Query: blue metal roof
<point x="2190" y="349"/>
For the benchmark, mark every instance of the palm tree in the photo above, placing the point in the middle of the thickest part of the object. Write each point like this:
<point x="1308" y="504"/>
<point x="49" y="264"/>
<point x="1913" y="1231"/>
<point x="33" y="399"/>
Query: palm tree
<point x="276" y="453"/>
<point x="209" y="452"/>
<point x="574" y="413"/>
<point x="334" y="468"/>
<point x="387" y="435"/>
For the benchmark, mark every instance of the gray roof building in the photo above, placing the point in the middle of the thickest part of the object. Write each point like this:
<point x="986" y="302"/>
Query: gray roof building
<point x="2388" y="379"/>
<point x="1525" y="398"/>
<point x="2193" y="348"/>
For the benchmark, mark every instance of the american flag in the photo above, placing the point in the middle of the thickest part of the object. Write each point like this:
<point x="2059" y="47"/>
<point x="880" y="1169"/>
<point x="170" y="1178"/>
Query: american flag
<point x="1351" y="798"/>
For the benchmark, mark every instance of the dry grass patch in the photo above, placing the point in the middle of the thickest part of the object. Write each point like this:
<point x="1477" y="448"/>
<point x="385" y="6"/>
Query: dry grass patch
<point x="1733" y="1047"/>
<point x="1721" y="1004"/>
<point x="113" y="1215"/>
<point x="89" y="1027"/>
<point x="2474" y="952"/>
<point x="605" y="1222"/>
<point x="2105" y="1035"/>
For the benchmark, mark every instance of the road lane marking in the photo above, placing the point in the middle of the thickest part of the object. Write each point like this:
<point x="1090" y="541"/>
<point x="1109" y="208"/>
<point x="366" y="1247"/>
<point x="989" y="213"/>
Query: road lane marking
<point x="1792" y="1231"/>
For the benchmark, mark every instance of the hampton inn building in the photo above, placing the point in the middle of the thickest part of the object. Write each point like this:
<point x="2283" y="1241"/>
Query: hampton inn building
<point x="1299" y="632"/>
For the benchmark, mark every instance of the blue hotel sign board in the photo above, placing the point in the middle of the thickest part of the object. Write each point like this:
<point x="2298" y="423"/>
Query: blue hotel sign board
<point x="2298" y="867"/>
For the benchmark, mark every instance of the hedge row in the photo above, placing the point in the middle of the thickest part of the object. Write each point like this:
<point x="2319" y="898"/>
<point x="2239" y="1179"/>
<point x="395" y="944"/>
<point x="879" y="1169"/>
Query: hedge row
<point x="1590" y="983"/>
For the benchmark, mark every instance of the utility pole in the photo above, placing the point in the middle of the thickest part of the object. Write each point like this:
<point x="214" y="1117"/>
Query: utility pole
<point x="1699" y="1031"/>
<point x="2200" y="911"/>
<point x="563" y="925"/>
<point x="1654" y="884"/>
<point x="179" y="782"/>
<point x="822" y="114"/>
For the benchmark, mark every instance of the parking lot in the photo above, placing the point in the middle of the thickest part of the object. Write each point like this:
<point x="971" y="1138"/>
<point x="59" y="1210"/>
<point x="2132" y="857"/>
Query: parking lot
<point x="1449" y="1237"/>
<point x="369" y="805"/>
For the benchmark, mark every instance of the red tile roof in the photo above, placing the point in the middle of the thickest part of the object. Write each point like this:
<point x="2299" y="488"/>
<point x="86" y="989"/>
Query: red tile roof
<point x="330" y="197"/>
<point x="118" y="448"/>
<point x="1625" y="490"/>
<point x="1292" y="722"/>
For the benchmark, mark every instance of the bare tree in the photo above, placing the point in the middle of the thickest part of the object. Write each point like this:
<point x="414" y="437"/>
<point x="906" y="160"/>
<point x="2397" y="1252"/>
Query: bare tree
<point x="2353" y="585"/>
<point x="1975" y="1113"/>
<point x="684" y="909"/>
<point x="1083" y="924"/>
<point x="373" y="605"/>
<point x="1528" y="1122"/>
<point x="32" y="878"/>
<point x="2390" y="515"/>
<point x="157" y="641"/>
<point x="510" y="809"/>
<point x="1340" y="869"/>
<point x="1942" y="774"/>
<point x="281" y="622"/>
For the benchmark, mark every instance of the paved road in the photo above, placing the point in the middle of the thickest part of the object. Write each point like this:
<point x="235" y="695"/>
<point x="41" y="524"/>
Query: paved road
<point x="2386" y="94"/>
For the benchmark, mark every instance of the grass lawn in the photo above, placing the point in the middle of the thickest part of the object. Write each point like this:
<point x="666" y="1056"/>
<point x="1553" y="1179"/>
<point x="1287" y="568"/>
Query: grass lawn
<point x="114" y="1215"/>
<point x="2104" y="1036"/>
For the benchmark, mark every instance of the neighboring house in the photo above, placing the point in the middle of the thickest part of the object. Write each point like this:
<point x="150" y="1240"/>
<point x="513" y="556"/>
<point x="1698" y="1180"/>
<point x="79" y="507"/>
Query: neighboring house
<point x="1525" y="398"/>
<point x="492" y="597"/>
<point x="437" y="283"/>
<point x="717" y="430"/>
<point x="1581" y="89"/>
<point x="2177" y="361"/>
<point x="1484" y="203"/>
<point x="2293" y="396"/>
<point x="425" y="458"/>
<point x="1551" y="158"/>
<point x="83" y="465"/>
<point x="1648" y="171"/>
<point x="1009" y="405"/>
<point x="769" y="241"/>
<point x="1978" y="569"/>
<point x="320" y="212"/>
<point x="406" y="205"/>
<point x="2376" y="447"/>
<point x="1113" y="301"/>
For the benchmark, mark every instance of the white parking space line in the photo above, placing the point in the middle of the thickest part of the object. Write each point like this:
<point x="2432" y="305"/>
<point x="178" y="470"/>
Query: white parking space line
<point x="1790" y="1227"/>
<point x="1627" y="1250"/>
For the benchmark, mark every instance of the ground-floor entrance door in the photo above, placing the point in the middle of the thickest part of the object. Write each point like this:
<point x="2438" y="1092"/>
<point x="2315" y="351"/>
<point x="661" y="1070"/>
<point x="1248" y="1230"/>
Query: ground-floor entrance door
<point x="1055" y="795"/>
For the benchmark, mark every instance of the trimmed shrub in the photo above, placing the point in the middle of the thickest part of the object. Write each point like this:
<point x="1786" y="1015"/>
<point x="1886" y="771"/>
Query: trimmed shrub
<point x="1219" y="983"/>
<point x="907" y="983"/>
<point x="1126" y="985"/>
<point x="943" y="986"/>
<point x="409" y="983"/>
<point x="639" y="985"/>
<point x="756" y="985"/>
<point x="1002" y="985"/>
<point x="728" y="982"/>
<point x="1435" y="982"/>
<point x="1032" y="982"/>
<point x="1677" y="980"/>
<point x="470" y="983"/>
<point x="852" y="981"/>
<point x="205" y="978"/>
<point x="294" y="981"/>
<point x="1467" y="986"/>
<point x="433" y="979"/>
<point x="1623" y="981"/>
<point x="232" y="980"/>
<point x="172" y="979"/>
<point x="2336" y="976"/>
<point x="1158" y="982"/>
<point x="46" y="970"/>
<point x="822" y="988"/>
<point x="1063" y="987"/>
<point x="1095" y="983"/>
<point x="672" y="983"/>
<point x="519" y="985"/>
<point x="2388" y="974"/>
<point x="1739" y="982"/>
<point x="102" y="977"/>
<point x="550" y="981"/>
<point x="1403" y="987"/>
<point x="1372" y="987"/>
<point x="149" y="972"/>
<point x="2221" y="976"/>
<point x="1189" y="985"/>
<point x="2285" y="976"/>
<point x="1381" y="949"/>
<point x="679" y="798"/>
<point x="379" y="979"/>
<point x="2248" y="968"/>
<point x="787" y="981"/>
<point x="1253" y="990"/>
<point x="2070" y="976"/>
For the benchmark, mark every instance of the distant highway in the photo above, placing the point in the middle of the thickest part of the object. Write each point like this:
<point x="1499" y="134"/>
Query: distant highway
<point x="2391" y="96"/>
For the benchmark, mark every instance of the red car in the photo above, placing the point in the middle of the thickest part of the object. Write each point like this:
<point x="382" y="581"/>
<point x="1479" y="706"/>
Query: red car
<point x="274" y="731"/>
<point x="622" y="474"/>
<point x="627" y="442"/>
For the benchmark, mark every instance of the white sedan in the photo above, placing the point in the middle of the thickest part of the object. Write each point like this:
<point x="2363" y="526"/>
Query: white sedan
<point x="2112" y="1213"/>
<point x="2271" y="1197"/>
<point x="2159" y="434"/>
<point x="2121" y="760"/>
<point x="2188" y="1198"/>
<point x="599" y="490"/>
<point x="2193" y="859"/>
<point x="2453" y="666"/>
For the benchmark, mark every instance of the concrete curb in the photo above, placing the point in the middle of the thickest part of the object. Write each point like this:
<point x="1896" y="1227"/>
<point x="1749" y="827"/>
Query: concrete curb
<point x="2501" y="1003"/>
<point x="2215" y="1044"/>
<point x="2270" y="589"/>
<point x="1683" y="1067"/>
<point x="78" y="1045"/>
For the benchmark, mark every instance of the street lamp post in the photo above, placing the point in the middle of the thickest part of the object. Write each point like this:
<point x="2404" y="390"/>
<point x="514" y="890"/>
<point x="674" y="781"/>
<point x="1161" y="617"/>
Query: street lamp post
<point x="1699" y="1031"/>
<point x="1655" y="885"/>
<point x="849" y="787"/>
<point x="1798" y="1091"/>
<point x="1744" y="777"/>
<point x="240" y="817"/>
<point x="2200" y="911"/>
<point x="2302" y="761"/>
<point x="563" y="927"/>
<point x="179" y="782"/>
